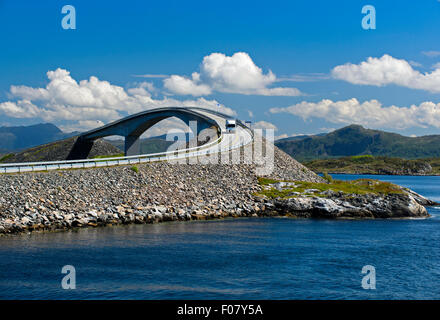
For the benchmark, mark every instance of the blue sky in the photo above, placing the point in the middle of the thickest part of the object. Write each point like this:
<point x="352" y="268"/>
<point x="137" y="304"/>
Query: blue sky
<point x="300" y="42"/>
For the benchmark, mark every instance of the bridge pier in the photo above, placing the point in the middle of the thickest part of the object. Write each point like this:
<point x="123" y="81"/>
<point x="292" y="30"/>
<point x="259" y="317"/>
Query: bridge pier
<point x="132" y="145"/>
<point x="80" y="149"/>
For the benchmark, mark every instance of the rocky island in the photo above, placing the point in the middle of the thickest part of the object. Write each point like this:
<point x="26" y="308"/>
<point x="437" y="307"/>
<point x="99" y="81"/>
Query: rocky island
<point x="362" y="198"/>
<point x="158" y="192"/>
<point x="368" y="164"/>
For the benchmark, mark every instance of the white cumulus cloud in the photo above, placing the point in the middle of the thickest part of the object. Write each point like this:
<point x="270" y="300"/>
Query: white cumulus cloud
<point x="88" y="103"/>
<point x="19" y="109"/>
<point x="185" y="86"/>
<point x="369" y="113"/>
<point x="388" y="70"/>
<point x="81" y="125"/>
<point x="264" y="125"/>
<point x="230" y="74"/>
<point x="431" y="53"/>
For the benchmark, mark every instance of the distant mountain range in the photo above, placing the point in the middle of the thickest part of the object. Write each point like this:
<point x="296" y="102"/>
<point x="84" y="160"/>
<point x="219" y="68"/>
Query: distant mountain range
<point x="348" y="141"/>
<point x="301" y="137"/>
<point x="23" y="137"/>
<point x="16" y="139"/>
<point x="356" y="140"/>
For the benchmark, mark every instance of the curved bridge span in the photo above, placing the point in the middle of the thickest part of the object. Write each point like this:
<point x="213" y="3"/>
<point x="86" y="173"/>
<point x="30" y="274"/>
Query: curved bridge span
<point x="132" y="127"/>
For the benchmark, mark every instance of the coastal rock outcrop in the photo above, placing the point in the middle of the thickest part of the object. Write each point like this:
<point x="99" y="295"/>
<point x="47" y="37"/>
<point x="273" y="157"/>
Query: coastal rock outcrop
<point x="352" y="206"/>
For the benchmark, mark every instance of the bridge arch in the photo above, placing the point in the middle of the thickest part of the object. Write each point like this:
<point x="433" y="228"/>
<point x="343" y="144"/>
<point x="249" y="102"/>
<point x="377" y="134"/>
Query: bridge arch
<point x="132" y="127"/>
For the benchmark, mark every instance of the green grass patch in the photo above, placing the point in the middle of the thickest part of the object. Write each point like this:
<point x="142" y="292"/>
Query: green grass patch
<point x="135" y="169"/>
<point x="368" y="164"/>
<point x="6" y="157"/>
<point x="110" y="156"/>
<point x="265" y="181"/>
<point x="359" y="186"/>
<point x="364" y="156"/>
<point x="327" y="177"/>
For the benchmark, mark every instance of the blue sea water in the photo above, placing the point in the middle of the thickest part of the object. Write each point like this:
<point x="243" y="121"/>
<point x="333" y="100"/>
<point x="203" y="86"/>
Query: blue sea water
<point x="249" y="258"/>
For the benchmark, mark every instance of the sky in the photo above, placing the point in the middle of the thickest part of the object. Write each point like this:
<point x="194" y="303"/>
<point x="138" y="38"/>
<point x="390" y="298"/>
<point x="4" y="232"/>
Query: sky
<point x="299" y="67"/>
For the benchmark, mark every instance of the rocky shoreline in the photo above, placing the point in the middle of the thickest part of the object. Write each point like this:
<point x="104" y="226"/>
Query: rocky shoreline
<point x="355" y="206"/>
<point x="160" y="192"/>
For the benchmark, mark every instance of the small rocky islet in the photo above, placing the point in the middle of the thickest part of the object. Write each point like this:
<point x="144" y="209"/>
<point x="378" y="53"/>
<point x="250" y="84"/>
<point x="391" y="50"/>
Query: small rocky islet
<point x="159" y="192"/>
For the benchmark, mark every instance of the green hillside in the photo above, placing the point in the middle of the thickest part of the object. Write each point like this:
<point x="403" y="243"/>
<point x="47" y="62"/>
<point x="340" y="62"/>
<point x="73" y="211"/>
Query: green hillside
<point x="375" y="165"/>
<point x="150" y="145"/>
<point x="355" y="140"/>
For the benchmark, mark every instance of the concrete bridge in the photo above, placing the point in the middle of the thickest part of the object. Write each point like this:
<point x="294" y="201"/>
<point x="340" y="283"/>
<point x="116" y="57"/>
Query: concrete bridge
<point x="132" y="127"/>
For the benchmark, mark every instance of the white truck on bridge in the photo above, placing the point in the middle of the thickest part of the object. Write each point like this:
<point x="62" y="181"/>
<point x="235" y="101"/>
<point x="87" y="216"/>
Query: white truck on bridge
<point x="231" y="125"/>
